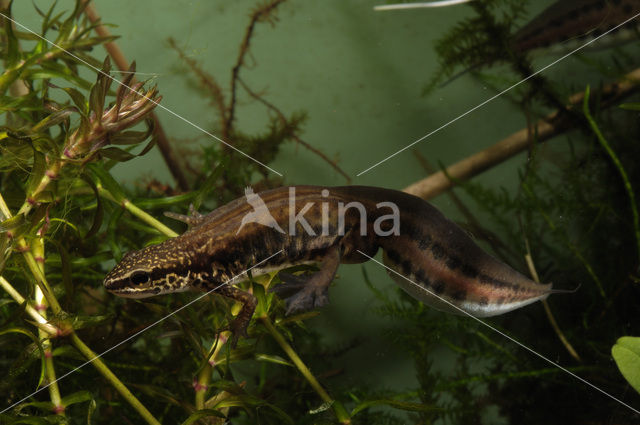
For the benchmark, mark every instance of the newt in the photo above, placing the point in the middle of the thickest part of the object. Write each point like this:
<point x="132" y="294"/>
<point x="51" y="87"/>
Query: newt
<point x="428" y="255"/>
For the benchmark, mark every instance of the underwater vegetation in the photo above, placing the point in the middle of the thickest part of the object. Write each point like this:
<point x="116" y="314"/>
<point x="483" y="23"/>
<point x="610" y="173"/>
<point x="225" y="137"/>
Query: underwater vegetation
<point x="575" y="215"/>
<point x="573" y="221"/>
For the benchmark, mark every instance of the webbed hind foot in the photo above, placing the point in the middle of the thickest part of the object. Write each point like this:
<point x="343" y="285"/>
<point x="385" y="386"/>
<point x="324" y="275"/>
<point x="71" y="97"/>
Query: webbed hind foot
<point x="305" y="293"/>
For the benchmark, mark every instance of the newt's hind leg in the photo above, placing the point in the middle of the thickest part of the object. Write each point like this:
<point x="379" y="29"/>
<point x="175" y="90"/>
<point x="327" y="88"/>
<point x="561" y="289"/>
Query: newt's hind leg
<point x="311" y="291"/>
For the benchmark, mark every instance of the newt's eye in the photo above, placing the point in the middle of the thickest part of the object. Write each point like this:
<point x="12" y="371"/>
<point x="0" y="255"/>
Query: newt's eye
<point x="139" y="277"/>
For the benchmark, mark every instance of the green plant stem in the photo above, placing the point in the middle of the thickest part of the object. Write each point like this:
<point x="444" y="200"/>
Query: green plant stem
<point x="13" y="293"/>
<point x="141" y="214"/>
<point x="43" y="285"/>
<point x="112" y="378"/>
<point x="204" y="377"/>
<point x="79" y="344"/>
<point x="616" y="162"/>
<point x="46" y="179"/>
<point x="147" y="218"/>
<point x="338" y="408"/>
<point x="82" y="347"/>
<point x="45" y="330"/>
<point x="24" y="247"/>
<point x="40" y="278"/>
<point x="41" y="321"/>
<point x="49" y="368"/>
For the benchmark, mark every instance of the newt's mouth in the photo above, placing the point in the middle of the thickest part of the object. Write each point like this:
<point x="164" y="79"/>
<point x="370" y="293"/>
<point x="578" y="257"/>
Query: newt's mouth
<point x="122" y="288"/>
<point x="133" y="293"/>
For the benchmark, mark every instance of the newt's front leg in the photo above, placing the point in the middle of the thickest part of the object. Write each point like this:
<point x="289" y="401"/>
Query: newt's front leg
<point x="239" y="325"/>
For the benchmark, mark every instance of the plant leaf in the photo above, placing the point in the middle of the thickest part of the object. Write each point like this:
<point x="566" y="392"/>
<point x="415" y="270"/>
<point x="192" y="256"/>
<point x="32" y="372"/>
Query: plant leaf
<point x="108" y="182"/>
<point x="129" y="137"/>
<point x="77" y="397"/>
<point x="626" y="353"/>
<point x="99" y="215"/>
<point x="204" y="413"/>
<point x="37" y="172"/>
<point x="117" y="154"/>
<point x="84" y="321"/>
<point x="53" y="119"/>
<point x="43" y="143"/>
<point x="26" y="103"/>
<point x="100" y="88"/>
<point x="273" y="359"/>
<point x="12" y="223"/>
<point x="36" y="420"/>
<point x="165" y="201"/>
<point x="66" y="269"/>
<point x="403" y="405"/>
<point x="12" y="49"/>
<point x="55" y="70"/>
<point x="17" y="225"/>
<point x="78" y="99"/>
<point x="21" y="364"/>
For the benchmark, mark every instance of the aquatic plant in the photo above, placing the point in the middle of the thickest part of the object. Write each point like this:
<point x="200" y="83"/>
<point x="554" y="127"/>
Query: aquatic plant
<point x="572" y="219"/>
<point x="162" y="360"/>
<point x="65" y="218"/>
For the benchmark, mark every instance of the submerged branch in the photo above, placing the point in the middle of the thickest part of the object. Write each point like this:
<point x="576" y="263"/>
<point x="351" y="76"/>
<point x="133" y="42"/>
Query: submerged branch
<point x="547" y="127"/>
<point x="547" y="310"/>
<point x="262" y="13"/>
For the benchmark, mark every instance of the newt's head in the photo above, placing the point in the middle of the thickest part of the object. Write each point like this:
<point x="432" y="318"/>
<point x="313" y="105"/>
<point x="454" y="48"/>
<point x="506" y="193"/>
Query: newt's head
<point x="154" y="270"/>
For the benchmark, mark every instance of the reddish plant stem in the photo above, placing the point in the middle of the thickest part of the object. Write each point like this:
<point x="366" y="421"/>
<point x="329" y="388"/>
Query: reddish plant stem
<point x="260" y="14"/>
<point x="294" y="136"/>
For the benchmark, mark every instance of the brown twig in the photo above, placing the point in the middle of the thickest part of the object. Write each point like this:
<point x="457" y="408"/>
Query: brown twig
<point x="158" y="132"/>
<point x="475" y="164"/>
<point x="552" y="320"/>
<point x="283" y="120"/>
<point x="547" y="127"/>
<point x="261" y="13"/>
<point x="206" y="80"/>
